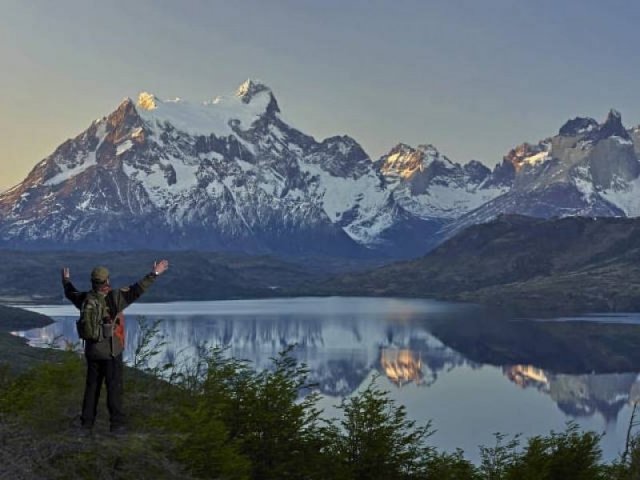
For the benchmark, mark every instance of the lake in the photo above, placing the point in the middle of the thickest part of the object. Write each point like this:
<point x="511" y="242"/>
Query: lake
<point x="471" y="371"/>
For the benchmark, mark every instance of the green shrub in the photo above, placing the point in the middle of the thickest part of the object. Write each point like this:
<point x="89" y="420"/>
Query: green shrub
<point x="47" y="397"/>
<point x="568" y="455"/>
<point x="239" y="423"/>
<point x="375" y="440"/>
<point x="443" y="466"/>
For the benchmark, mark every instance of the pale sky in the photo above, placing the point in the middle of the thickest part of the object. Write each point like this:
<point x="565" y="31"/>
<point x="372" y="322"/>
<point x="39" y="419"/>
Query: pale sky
<point x="473" y="77"/>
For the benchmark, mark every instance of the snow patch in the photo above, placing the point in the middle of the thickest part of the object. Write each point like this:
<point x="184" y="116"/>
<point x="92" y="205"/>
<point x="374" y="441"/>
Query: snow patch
<point x="245" y="166"/>
<point x="206" y="118"/>
<point x="147" y="101"/>
<point x="584" y="183"/>
<point x="340" y="195"/>
<point x="156" y="182"/>
<point x="67" y="173"/>
<point x="536" y="159"/>
<point x="123" y="147"/>
<point x="626" y="197"/>
<point x="446" y="201"/>
<point x="587" y="129"/>
<point x="621" y="141"/>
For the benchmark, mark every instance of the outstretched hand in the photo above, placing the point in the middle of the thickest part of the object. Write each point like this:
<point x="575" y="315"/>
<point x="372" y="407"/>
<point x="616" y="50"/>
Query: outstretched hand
<point x="160" y="267"/>
<point x="65" y="274"/>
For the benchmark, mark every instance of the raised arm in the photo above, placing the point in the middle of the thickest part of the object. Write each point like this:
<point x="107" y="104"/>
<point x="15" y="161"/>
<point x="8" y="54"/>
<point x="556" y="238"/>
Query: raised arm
<point x="126" y="296"/>
<point x="76" y="297"/>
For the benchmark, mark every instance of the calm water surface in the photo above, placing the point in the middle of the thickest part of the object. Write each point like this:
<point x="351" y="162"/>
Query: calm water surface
<point x="421" y="350"/>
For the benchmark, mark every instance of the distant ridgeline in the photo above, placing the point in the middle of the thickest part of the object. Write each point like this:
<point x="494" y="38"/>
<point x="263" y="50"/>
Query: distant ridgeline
<point x="30" y="276"/>
<point x="572" y="264"/>
<point x="231" y="175"/>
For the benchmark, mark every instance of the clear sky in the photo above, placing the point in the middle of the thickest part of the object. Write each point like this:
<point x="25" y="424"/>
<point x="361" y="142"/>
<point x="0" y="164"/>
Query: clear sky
<point x="472" y="77"/>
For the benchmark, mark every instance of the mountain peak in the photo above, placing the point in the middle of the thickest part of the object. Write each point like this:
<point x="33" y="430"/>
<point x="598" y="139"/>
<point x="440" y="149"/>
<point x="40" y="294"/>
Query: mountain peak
<point x="612" y="126"/>
<point x="405" y="161"/>
<point x="250" y="88"/>
<point x="147" y="101"/>
<point x="125" y="103"/>
<point x="401" y="148"/>
<point x="428" y="149"/>
<point x="578" y="126"/>
<point x="613" y="114"/>
<point x="125" y="116"/>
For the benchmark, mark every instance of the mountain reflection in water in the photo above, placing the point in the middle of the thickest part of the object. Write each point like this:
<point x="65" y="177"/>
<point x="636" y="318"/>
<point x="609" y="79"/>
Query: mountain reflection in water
<point x="459" y="366"/>
<point x="580" y="395"/>
<point x="403" y="366"/>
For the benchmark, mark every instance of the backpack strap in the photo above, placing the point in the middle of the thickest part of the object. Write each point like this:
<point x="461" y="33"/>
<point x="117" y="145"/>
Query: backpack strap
<point x="115" y="317"/>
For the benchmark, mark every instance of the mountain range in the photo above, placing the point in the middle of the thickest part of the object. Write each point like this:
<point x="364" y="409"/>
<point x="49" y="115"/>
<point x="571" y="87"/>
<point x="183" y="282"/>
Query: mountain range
<point x="231" y="174"/>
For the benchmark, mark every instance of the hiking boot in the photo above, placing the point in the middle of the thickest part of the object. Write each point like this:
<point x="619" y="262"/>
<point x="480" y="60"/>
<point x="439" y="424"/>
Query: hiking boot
<point x="118" y="430"/>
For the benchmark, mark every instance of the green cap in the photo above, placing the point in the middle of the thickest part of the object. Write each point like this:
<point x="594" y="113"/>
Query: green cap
<point x="100" y="274"/>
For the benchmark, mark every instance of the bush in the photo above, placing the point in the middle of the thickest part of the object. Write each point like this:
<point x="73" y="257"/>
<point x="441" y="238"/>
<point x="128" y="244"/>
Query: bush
<point x="238" y="423"/>
<point x="569" y="455"/>
<point x="46" y="397"/>
<point x="377" y="441"/>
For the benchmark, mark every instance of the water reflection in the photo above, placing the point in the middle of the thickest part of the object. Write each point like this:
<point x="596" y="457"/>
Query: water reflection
<point x="527" y="376"/>
<point x="468" y="372"/>
<point x="402" y="366"/>
<point x="580" y="395"/>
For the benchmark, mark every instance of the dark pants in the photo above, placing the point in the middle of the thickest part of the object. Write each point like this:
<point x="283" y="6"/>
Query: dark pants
<point x="109" y="371"/>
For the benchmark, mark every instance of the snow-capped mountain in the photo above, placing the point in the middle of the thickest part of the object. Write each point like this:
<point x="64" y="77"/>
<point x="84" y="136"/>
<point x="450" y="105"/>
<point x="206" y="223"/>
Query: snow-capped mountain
<point x="227" y="174"/>
<point x="588" y="169"/>
<point x="232" y="174"/>
<point x="430" y="186"/>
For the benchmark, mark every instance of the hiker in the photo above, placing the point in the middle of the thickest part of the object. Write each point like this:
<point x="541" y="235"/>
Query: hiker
<point x="101" y="325"/>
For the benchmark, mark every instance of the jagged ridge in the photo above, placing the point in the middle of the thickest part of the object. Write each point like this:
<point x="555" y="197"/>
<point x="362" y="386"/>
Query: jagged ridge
<point x="230" y="174"/>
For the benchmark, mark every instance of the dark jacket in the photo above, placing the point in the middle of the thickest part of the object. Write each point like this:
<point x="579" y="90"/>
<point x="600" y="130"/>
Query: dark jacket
<point x="117" y="300"/>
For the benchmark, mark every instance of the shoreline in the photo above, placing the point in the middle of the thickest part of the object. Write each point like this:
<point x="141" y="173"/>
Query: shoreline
<point x="522" y="309"/>
<point x="15" y="352"/>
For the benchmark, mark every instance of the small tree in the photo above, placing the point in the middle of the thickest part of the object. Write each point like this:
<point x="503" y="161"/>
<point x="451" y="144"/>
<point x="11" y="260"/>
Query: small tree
<point x="495" y="461"/>
<point x="149" y="345"/>
<point x="258" y="418"/>
<point x="568" y="455"/>
<point x="445" y="466"/>
<point x="281" y="433"/>
<point x="377" y="441"/>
